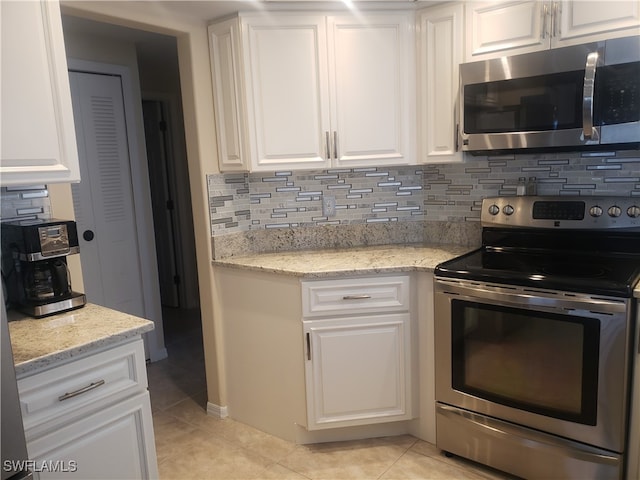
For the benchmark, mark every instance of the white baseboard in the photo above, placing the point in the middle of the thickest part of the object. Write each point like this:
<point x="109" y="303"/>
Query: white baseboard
<point x="217" y="411"/>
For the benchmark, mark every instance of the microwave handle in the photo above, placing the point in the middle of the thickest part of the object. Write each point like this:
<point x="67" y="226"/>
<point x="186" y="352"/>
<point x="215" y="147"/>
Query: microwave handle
<point x="589" y="132"/>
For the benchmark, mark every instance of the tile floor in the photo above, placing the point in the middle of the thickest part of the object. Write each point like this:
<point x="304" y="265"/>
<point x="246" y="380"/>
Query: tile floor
<point x="192" y="445"/>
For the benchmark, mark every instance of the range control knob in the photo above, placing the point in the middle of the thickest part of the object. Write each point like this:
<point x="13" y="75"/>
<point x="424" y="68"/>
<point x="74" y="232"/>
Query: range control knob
<point x="596" y="211"/>
<point x="494" y="209"/>
<point x="508" y="210"/>
<point x="633" y="211"/>
<point x="614" y="211"/>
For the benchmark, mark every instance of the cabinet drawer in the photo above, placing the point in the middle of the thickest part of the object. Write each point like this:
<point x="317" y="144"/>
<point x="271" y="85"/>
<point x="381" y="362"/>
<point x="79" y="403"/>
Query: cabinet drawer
<point x="87" y="383"/>
<point x="355" y="295"/>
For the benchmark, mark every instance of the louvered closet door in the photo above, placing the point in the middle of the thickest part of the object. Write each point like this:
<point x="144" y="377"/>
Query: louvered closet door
<point x="103" y="200"/>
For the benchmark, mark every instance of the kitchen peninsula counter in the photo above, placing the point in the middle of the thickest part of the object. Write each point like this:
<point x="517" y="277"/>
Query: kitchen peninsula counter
<point x="347" y="262"/>
<point x="39" y="343"/>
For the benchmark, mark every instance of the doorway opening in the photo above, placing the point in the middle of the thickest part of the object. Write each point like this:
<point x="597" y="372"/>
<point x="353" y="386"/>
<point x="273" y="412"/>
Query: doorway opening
<point x="154" y="60"/>
<point x="172" y="217"/>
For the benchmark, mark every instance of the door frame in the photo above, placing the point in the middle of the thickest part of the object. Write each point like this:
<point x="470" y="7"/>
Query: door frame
<point x="154" y="340"/>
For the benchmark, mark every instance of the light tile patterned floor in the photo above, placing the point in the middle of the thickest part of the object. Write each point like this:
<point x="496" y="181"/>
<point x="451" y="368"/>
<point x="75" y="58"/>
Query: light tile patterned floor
<point x="193" y="445"/>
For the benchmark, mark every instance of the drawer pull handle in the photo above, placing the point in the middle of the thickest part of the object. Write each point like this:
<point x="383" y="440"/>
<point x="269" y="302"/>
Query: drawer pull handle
<point x="356" y="297"/>
<point x="86" y="389"/>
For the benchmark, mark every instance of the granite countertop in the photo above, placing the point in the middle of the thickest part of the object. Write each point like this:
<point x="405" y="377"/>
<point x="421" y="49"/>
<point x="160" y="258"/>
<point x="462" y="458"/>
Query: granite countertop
<point x="344" y="262"/>
<point x="42" y="342"/>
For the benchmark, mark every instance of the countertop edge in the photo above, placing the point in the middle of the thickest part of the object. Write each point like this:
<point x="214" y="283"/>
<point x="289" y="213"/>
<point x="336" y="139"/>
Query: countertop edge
<point x="42" y="343"/>
<point x="324" y="274"/>
<point x="62" y="356"/>
<point x="372" y="260"/>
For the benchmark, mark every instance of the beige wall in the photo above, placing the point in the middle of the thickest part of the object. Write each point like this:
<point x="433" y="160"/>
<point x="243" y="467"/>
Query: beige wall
<point x="195" y="79"/>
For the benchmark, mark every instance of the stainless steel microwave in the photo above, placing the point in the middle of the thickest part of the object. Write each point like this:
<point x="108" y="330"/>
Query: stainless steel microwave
<point x="584" y="97"/>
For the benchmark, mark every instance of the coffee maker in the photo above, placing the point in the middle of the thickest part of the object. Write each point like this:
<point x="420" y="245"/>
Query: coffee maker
<point x="34" y="266"/>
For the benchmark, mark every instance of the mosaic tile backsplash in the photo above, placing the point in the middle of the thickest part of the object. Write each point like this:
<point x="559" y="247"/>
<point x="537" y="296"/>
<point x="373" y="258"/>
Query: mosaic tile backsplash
<point x="24" y="203"/>
<point x="439" y="192"/>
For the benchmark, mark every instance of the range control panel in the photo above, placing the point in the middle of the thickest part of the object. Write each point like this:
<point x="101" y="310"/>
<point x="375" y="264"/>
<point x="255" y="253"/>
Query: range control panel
<point x="561" y="212"/>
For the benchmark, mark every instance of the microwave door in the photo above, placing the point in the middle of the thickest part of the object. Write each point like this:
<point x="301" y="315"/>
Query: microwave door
<point x="531" y="101"/>
<point x="533" y="112"/>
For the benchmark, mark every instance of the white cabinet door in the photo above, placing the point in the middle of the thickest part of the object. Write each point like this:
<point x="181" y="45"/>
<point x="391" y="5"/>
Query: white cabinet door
<point x="505" y="28"/>
<point x="304" y="91"/>
<point x="513" y="27"/>
<point x="357" y="370"/>
<point x="226" y="72"/>
<point x="287" y="92"/>
<point x="440" y="52"/>
<point x="580" y="21"/>
<point x="38" y="138"/>
<point x="91" y="417"/>
<point x="112" y="443"/>
<point x="372" y="84"/>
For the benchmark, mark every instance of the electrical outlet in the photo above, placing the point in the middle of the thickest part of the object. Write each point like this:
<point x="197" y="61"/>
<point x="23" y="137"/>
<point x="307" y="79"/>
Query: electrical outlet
<point x="328" y="206"/>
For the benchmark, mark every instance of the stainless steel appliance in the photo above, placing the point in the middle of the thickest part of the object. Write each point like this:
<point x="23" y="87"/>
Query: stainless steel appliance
<point x="534" y="334"/>
<point x="579" y="97"/>
<point x="15" y="463"/>
<point x="34" y="266"/>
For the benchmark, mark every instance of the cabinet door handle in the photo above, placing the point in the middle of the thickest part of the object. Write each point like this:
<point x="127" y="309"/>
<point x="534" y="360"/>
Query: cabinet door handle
<point x="335" y="145"/>
<point x="80" y="391"/>
<point x="328" y="144"/>
<point x="308" y="346"/>
<point x="554" y="20"/>
<point x="356" y="297"/>
<point x="545" y="12"/>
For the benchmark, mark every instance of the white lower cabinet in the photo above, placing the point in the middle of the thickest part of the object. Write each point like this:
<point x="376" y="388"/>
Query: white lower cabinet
<point x="91" y="418"/>
<point x="358" y="366"/>
<point x="356" y="370"/>
<point x="112" y="443"/>
<point x="319" y="360"/>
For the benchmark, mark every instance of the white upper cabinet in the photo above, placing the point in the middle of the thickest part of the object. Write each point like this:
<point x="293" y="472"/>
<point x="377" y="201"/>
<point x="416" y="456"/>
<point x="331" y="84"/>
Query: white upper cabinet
<point x="440" y="52"/>
<point x="512" y="27"/>
<point x="580" y="21"/>
<point x="371" y="75"/>
<point x="302" y="91"/>
<point x="224" y="42"/>
<point x="38" y="136"/>
<point x="286" y="91"/>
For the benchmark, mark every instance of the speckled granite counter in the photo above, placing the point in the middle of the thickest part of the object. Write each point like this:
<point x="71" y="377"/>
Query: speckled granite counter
<point x="344" y="262"/>
<point x="40" y="343"/>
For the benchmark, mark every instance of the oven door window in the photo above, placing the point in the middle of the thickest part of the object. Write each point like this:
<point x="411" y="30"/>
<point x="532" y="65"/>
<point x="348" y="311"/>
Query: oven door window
<point x="534" y="361"/>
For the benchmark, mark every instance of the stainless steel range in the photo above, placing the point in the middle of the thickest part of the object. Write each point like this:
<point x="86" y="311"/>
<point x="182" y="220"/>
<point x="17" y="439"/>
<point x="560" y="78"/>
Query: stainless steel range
<point x="534" y="335"/>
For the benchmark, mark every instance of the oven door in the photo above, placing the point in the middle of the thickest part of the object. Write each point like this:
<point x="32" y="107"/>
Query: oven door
<point x="551" y="361"/>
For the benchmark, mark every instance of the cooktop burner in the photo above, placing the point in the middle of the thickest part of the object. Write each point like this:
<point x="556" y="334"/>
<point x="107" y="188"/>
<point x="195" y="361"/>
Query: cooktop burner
<point x="569" y="244"/>
<point x="568" y="269"/>
<point x="600" y="274"/>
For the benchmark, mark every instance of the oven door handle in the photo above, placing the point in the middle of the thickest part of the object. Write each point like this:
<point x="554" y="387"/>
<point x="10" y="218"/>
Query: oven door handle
<point x="496" y="428"/>
<point x="529" y="297"/>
